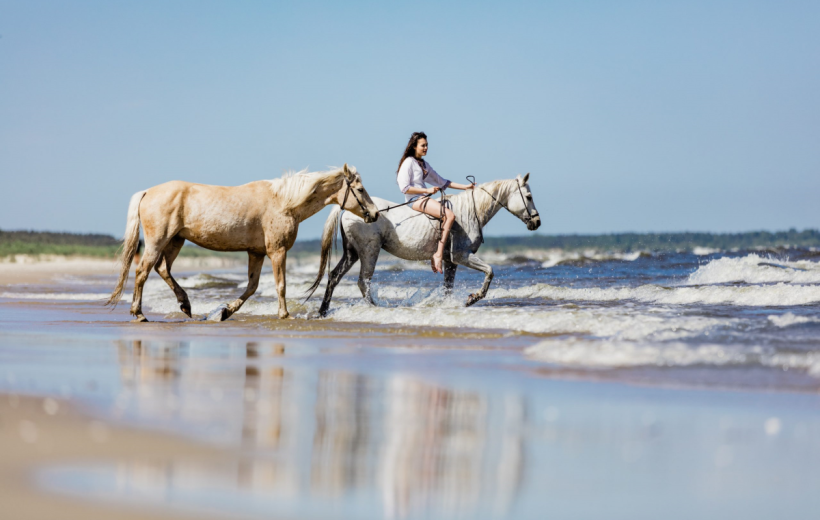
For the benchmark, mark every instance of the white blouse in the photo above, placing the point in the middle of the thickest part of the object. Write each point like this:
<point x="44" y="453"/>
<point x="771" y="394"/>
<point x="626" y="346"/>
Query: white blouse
<point x="411" y="174"/>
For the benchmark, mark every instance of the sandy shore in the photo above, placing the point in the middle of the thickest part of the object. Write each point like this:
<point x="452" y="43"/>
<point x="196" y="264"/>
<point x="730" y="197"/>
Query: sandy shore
<point x="35" y="432"/>
<point x="28" y="269"/>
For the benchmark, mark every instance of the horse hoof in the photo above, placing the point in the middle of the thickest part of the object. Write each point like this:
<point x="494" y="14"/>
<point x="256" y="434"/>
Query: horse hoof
<point x="472" y="299"/>
<point x="140" y="319"/>
<point x="219" y="314"/>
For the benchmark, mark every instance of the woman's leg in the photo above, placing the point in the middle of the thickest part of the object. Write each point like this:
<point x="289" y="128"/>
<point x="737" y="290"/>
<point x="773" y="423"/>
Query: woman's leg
<point x="433" y="208"/>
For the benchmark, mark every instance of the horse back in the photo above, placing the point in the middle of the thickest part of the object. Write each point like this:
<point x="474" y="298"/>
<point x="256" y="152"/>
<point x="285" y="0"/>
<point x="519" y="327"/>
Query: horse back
<point x="222" y="218"/>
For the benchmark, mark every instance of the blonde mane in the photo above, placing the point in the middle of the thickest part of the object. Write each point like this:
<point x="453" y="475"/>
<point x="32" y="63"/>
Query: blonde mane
<point x="295" y="188"/>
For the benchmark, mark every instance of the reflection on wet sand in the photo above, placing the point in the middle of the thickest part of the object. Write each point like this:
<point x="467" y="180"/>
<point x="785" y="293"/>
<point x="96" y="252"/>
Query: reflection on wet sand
<point x="400" y="445"/>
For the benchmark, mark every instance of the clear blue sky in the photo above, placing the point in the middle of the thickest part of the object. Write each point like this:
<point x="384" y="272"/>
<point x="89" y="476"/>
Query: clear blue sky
<point x="631" y="116"/>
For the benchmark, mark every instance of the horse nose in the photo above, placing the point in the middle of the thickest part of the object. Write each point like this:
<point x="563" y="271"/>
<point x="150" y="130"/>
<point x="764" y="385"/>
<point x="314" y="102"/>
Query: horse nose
<point x="374" y="218"/>
<point x="536" y="223"/>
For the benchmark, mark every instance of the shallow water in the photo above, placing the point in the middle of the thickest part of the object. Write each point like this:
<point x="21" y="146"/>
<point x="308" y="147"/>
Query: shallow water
<point x="744" y="318"/>
<point x="628" y="385"/>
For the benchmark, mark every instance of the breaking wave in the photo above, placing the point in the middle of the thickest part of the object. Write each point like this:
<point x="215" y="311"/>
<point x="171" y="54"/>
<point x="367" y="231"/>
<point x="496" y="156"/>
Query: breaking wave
<point x="623" y="354"/>
<point x="780" y="294"/>
<point x="754" y="269"/>
<point x="559" y="257"/>
<point x="789" y="319"/>
<point x="611" y="323"/>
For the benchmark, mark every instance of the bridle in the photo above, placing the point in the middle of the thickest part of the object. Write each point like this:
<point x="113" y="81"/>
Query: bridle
<point x="350" y="190"/>
<point x="530" y="215"/>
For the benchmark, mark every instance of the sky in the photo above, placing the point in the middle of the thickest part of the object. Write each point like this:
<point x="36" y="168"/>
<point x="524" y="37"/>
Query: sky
<point x="630" y="116"/>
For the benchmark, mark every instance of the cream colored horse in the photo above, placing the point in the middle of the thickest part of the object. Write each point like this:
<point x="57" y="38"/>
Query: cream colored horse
<point x="260" y="217"/>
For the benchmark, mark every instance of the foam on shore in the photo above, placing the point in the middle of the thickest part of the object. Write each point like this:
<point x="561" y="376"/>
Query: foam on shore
<point x="585" y="353"/>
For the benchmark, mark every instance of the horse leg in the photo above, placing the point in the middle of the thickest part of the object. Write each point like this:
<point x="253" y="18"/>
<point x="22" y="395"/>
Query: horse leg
<point x="153" y="251"/>
<point x="449" y="276"/>
<point x="348" y="260"/>
<point x="278" y="258"/>
<point x="474" y="262"/>
<point x="163" y="268"/>
<point x="366" y="275"/>
<point x="255" y="263"/>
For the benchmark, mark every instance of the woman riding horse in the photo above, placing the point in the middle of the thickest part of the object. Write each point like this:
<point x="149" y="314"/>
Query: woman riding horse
<point x="413" y="175"/>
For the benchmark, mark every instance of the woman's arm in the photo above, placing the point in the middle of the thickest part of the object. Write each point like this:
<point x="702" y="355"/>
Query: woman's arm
<point x="461" y="186"/>
<point x="412" y="190"/>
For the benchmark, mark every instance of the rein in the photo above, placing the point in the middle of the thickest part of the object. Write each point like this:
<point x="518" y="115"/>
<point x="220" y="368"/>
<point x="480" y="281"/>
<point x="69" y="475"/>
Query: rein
<point x="530" y="216"/>
<point x="348" y="191"/>
<point x="388" y="208"/>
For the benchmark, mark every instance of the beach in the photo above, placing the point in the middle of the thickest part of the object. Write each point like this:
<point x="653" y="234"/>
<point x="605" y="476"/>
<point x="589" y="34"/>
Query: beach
<point x="674" y="386"/>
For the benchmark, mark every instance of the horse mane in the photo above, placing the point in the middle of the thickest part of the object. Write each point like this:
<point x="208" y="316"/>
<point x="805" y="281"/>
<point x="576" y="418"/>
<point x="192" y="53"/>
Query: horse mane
<point x="485" y="203"/>
<point x="295" y="188"/>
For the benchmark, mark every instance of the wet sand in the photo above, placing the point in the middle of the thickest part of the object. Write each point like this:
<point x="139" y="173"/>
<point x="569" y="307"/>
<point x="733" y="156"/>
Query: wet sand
<point x="27" y="270"/>
<point x="37" y="432"/>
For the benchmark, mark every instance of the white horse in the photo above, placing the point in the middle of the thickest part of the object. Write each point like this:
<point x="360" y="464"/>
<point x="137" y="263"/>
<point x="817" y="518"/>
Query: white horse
<point x="260" y="217"/>
<point x="408" y="234"/>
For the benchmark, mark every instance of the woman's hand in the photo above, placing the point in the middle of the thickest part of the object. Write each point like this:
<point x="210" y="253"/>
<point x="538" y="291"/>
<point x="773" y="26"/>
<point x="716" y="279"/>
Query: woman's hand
<point x="433" y="190"/>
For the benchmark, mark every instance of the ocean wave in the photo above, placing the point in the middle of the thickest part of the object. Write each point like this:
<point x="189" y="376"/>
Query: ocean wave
<point x="203" y="280"/>
<point x="560" y="257"/>
<point x="585" y="353"/>
<point x="777" y="295"/>
<point x="755" y="269"/>
<point x="789" y="319"/>
<point x="608" y="323"/>
<point x="413" y="307"/>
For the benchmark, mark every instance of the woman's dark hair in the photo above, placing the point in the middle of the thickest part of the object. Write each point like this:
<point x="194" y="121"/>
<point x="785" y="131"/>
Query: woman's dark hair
<point x="410" y="151"/>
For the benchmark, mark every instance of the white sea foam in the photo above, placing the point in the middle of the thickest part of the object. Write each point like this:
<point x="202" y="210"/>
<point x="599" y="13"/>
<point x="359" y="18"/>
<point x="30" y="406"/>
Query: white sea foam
<point x="197" y="280"/>
<point x="788" y="319"/>
<point x="601" y="322"/>
<point x="780" y="294"/>
<point x="755" y="269"/>
<point x="559" y="256"/>
<point x="702" y="251"/>
<point x="586" y="353"/>
<point x="402" y="305"/>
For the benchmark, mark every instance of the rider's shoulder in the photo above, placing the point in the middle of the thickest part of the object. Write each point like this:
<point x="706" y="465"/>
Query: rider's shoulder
<point x="410" y="163"/>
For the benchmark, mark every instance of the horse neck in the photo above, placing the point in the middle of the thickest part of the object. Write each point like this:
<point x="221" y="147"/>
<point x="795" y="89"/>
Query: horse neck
<point x="485" y="205"/>
<point x="314" y="197"/>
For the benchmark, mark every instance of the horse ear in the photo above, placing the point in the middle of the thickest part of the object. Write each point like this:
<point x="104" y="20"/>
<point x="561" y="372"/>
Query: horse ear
<point x="526" y="178"/>
<point x="347" y="172"/>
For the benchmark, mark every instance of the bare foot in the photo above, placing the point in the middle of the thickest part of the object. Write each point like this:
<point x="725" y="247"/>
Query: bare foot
<point x="435" y="263"/>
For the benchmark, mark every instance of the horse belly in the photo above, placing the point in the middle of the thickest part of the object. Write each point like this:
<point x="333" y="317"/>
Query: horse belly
<point x="221" y="239"/>
<point x="223" y="226"/>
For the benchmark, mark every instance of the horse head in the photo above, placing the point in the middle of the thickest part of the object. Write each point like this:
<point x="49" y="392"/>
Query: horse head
<point x="354" y="198"/>
<point x="519" y="202"/>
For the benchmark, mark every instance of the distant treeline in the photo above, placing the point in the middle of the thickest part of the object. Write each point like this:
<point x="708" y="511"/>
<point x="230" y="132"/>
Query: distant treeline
<point x="46" y="243"/>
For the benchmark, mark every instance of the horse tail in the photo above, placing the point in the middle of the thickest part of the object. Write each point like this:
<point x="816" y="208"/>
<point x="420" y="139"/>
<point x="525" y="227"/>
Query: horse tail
<point x="328" y="235"/>
<point x="130" y="244"/>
